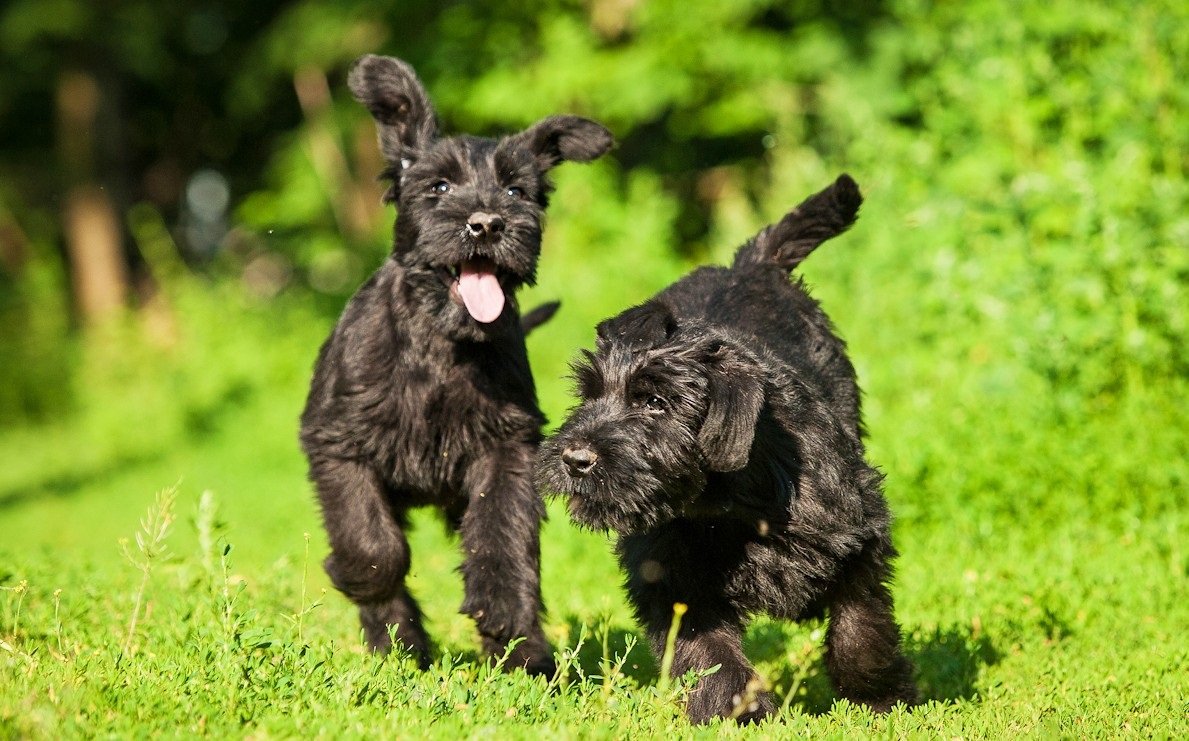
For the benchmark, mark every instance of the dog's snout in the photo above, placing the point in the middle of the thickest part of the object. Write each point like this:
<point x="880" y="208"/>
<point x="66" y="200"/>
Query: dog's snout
<point x="580" y="461"/>
<point x="482" y="223"/>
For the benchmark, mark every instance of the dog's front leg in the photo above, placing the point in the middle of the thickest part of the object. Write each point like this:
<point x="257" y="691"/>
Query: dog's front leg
<point x="501" y="559"/>
<point x="369" y="556"/>
<point x="733" y="691"/>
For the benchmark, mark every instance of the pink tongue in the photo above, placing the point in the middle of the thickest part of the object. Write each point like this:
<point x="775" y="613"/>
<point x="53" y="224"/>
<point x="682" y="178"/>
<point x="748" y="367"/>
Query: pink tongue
<point x="481" y="291"/>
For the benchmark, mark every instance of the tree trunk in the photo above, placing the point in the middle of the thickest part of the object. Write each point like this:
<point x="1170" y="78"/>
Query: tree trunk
<point x="92" y="226"/>
<point x="98" y="271"/>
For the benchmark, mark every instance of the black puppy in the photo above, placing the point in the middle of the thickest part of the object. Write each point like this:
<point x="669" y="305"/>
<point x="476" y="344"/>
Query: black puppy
<point x="719" y="436"/>
<point x="423" y="394"/>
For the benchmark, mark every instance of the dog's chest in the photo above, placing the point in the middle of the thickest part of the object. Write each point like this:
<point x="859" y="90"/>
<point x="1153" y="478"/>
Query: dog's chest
<point x="438" y="422"/>
<point x="711" y="561"/>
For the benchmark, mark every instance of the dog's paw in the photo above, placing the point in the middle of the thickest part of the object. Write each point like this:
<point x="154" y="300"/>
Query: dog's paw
<point x="541" y="666"/>
<point x="753" y="709"/>
<point x="534" y="657"/>
<point x="711" y="700"/>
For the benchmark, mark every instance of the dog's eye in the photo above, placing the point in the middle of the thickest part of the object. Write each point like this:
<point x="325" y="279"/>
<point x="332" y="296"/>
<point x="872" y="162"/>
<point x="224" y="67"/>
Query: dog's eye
<point x="516" y="192"/>
<point x="440" y="187"/>
<point x="655" y="403"/>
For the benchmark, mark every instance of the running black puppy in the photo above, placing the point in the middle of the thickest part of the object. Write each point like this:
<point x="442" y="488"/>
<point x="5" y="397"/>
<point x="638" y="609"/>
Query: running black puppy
<point x="719" y="436"/>
<point x="423" y="394"/>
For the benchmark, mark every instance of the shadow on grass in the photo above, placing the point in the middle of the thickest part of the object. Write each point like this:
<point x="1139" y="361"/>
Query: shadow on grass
<point x="68" y="483"/>
<point x="949" y="660"/>
<point x="791" y="662"/>
<point x="204" y="418"/>
<point x="612" y="641"/>
<point x="201" y="420"/>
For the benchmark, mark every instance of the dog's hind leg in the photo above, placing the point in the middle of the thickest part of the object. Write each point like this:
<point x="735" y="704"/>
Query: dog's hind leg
<point x="733" y="691"/>
<point x="863" y="653"/>
<point x="501" y="559"/>
<point x="369" y="556"/>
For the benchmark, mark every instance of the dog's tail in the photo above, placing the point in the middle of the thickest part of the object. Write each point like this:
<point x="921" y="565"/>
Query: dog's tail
<point x="819" y="217"/>
<point x="538" y="316"/>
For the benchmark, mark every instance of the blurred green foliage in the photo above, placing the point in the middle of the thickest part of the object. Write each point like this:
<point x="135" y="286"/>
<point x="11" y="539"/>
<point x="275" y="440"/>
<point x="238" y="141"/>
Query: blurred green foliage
<point x="1021" y="263"/>
<point x="1024" y="253"/>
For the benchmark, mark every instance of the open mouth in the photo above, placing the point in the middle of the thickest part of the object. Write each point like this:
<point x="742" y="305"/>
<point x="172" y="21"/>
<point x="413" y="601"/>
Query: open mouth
<point x="475" y="284"/>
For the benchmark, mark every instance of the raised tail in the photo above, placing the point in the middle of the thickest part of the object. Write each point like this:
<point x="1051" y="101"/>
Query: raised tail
<point x="819" y="217"/>
<point x="538" y="316"/>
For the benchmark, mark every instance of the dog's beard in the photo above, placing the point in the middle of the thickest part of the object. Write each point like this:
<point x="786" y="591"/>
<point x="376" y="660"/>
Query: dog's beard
<point x="436" y="293"/>
<point x="469" y="284"/>
<point x="624" y="494"/>
<point x="624" y="513"/>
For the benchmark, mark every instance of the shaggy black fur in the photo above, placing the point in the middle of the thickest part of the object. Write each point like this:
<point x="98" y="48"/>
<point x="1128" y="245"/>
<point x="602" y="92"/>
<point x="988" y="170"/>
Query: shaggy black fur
<point x="719" y="436"/>
<point x="423" y="394"/>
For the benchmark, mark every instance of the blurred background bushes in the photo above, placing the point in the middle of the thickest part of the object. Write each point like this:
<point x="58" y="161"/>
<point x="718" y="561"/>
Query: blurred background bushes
<point x="188" y="197"/>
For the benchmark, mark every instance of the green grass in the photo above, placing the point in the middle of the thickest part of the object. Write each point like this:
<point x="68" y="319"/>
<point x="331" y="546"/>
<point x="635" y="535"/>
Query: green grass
<point x="1041" y="587"/>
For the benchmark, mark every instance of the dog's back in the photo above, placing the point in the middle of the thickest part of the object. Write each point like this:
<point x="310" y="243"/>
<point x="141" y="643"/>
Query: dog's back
<point x="755" y="298"/>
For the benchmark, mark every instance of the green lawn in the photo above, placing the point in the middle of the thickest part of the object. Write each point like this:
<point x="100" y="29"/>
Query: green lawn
<point x="1042" y="586"/>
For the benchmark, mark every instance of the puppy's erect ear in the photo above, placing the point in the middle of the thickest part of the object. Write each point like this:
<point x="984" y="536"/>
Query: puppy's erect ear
<point x="560" y="138"/>
<point x="641" y="327"/>
<point x="821" y="216"/>
<point x="735" y="393"/>
<point x="405" y="118"/>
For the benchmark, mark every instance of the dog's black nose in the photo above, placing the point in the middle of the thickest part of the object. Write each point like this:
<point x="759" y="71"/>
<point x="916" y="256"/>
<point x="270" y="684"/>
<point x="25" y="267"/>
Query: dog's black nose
<point x="580" y="461"/>
<point x="482" y="223"/>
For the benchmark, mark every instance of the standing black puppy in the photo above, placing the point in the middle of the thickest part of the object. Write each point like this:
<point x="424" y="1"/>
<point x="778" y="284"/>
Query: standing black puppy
<point x="423" y="394"/>
<point x="719" y="436"/>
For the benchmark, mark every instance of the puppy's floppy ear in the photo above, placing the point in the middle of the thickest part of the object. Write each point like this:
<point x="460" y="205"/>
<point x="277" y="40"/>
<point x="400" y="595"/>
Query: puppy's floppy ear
<point x="405" y="118"/>
<point x="821" y="216"/>
<point x="735" y="393"/>
<point x="560" y="138"/>
<point x="641" y="327"/>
